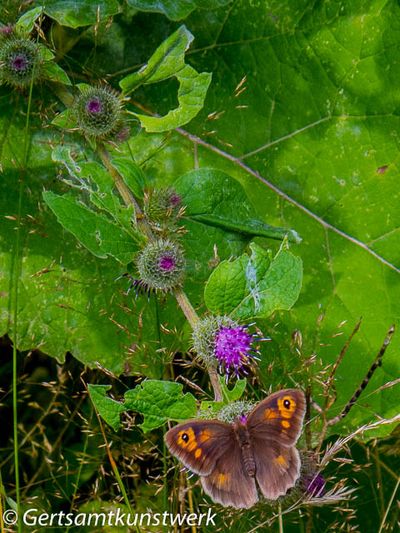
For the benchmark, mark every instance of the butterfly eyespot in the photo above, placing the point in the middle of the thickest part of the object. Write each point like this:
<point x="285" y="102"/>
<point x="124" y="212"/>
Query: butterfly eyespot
<point x="185" y="437"/>
<point x="286" y="404"/>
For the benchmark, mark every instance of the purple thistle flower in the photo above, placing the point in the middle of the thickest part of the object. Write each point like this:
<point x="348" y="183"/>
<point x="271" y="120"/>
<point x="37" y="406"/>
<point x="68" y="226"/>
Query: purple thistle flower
<point x="19" y="62"/>
<point x="315" y="485"/>
<point x="167" y="263"/>
<point x="221" y="342"/>
<point x="94" y="106"/>
<point x="174" y="200"/>
<point x="161" y="265"/>
<point x="233" y="348"/>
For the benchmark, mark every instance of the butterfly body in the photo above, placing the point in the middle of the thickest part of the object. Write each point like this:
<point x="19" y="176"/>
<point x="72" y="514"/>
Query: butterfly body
<point x="257" y="449"/>
<point x="244" y="439"/>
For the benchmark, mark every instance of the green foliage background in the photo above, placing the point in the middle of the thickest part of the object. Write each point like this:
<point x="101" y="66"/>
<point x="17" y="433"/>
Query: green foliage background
<point x="302" y="109"/>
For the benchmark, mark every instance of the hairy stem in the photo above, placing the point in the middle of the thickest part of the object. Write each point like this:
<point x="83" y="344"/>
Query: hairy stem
<point x="187" y="308"/>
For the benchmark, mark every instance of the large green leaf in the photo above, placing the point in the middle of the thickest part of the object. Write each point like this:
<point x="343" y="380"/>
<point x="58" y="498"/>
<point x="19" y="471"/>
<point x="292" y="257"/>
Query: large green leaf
<point x="213" y="198"/>
<point x="255" y="286"/>
<point x="98" y="234"/>
<point x="76" y="13"/>
<point x="176" y="9"/>
<point x="167" y="61"/>
<point x="157" y="401"/>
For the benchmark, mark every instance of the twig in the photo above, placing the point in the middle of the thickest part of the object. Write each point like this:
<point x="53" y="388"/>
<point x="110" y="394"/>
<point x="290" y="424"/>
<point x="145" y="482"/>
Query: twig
<point x="374" y="366"/>
<point x="328" y="403"/>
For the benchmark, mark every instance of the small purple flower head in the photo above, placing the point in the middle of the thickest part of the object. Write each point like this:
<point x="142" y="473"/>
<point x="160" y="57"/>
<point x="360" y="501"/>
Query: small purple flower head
<point x="162" y="208"/>
<point x="233" y="348"/>
<point x="94" y="106"/>
<point x="243" y="419"/>
<point x="161" y="265"/>
<point x="167" y="262"/>
<point x="20" y="61"/>
<point x="175" y="200"/>
<point x="222" y="342"/>
<point x="98" y="111"/>
<point x="314" y="485"/>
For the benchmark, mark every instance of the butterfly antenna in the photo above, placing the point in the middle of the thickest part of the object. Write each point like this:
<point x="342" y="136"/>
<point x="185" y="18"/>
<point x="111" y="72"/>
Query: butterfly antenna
<point x="364" y="383"/>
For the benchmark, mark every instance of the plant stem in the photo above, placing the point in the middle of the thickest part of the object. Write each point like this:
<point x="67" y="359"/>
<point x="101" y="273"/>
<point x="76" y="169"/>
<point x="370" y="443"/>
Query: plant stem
<point x="215" y="384"/>
<point x="190" y="501"/>
<point x="280" y="520"/>
<point x="2" y="501"/>
<point x="186" y="306"/>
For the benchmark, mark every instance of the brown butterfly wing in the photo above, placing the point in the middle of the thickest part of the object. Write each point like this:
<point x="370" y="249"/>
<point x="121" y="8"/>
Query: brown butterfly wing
<point x="277" y="467"/>
<point x="228" y="483"/>
<point x="198" y="444"/>
<point x="274" y="426"/>
<point x="278" y="418"/>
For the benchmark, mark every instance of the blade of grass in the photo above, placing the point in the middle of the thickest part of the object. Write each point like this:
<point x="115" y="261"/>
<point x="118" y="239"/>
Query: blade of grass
<point x="389" y="506"/>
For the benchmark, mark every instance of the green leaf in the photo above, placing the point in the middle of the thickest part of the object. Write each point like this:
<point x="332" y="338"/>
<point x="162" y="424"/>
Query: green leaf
<point x="91" y="177"/>
<point x="213" y="198"/>
<point x="54" y="72"/>
<point x="176" y="9"/>
<point x="131" y="173"/>
<point x="160" y="401"/>
<point x="26" y="22"/>
<point x="255" y="286"/>
<point x="65" y="120"/>
<point x="76" y="13"/>
<point x="165" y="62"/>
<point x="99" y="235"/>
<point x="237" y="391"/>
<point x="109" y="409"/>
<point x="157" y="401"/>
<point x="191" y="95"/>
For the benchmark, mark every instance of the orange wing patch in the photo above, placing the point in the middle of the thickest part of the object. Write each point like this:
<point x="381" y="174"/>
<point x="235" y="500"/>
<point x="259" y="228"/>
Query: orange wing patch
<point x="287" y="406"/>
<point x="285" y="424"/>
<point x="281" y="461"/>
<point x="222" y="479"/>
<point x="205" y="435"/>
<point x="270" y="414"/>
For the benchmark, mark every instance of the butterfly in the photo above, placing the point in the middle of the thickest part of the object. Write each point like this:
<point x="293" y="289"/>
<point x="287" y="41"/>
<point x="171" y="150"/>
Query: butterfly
<point x="256" y="449"/>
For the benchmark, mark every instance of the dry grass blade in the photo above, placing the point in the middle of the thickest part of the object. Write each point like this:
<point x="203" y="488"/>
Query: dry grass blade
<point x="340" y="443"/>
